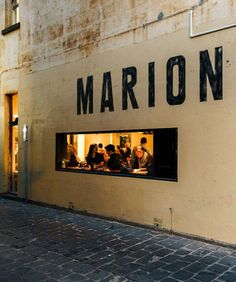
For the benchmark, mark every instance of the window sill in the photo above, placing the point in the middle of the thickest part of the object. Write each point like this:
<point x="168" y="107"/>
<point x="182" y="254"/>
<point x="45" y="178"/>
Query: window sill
<point x="10" y="28"/>
<point x="118" y="174"/>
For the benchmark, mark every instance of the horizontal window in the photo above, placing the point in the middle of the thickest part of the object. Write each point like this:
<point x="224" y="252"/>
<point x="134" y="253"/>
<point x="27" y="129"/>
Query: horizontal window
<point x="137" y="153"/>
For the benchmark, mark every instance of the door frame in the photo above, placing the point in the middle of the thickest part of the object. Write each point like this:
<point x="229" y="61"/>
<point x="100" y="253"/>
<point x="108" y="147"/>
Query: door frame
<point x="10" y="123"/>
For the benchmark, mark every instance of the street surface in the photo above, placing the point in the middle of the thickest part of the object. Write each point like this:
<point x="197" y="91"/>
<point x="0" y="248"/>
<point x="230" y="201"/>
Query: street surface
<point x="43" y="244"/>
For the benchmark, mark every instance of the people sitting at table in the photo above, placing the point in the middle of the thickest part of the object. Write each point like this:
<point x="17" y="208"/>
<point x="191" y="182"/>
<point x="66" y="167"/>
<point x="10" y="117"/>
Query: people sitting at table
<point x="103" y="152"/>
<point x="114" y="162"/>
<point x="120" y="152"/>
<point x="94" y="158"/>
<point x="71" y="156"/>
<point x="142" y="158"/>
<point x="143" y="144"/>
<point x="100" y="149"/>
<point x="126" y="154"/>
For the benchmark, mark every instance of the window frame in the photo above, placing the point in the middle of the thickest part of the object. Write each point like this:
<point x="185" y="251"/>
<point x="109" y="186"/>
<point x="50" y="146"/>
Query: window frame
<point x="10" y="10"/>
<point x="155" y="132"/>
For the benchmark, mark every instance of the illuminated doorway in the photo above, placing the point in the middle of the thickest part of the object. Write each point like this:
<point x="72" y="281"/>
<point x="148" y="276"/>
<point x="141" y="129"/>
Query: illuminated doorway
<point x="12" y="102"/>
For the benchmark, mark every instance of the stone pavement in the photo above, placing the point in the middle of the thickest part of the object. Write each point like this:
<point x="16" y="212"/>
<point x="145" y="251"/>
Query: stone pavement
<point x="44" y="244"/>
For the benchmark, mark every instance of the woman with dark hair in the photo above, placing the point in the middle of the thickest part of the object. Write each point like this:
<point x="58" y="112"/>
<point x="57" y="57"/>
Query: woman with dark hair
<point x="93" y="158"/>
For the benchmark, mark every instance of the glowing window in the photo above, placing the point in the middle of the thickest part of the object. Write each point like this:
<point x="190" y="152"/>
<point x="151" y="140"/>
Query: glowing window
<point x="142" y="153"/>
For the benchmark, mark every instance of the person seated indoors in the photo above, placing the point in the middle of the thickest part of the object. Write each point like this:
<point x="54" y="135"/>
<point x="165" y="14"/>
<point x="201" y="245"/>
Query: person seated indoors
<point x="142" y="159"/>
<point x="94" y="158"/>
<point x="120" y="152"/>
<point x="126" y="154"/>
<point x="114" y="162"/>
<point x="143" y="144"/>
<point x="72" y="157"/>
<point x="103" y="152"/>
<point x="100" y="149"/>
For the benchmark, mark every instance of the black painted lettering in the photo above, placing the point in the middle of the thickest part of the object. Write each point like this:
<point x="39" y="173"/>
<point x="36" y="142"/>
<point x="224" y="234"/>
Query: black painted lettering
<point x="83" y="99"/>
<point x="151" y="84"/>
<point x="178" y="61"/>
<point x="127" y="87"/>
<point x="107" y="85"/>
<point x="215" y="78"/>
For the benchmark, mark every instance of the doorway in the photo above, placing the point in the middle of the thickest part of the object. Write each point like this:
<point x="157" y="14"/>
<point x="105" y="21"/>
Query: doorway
<point x="12" y="103"/>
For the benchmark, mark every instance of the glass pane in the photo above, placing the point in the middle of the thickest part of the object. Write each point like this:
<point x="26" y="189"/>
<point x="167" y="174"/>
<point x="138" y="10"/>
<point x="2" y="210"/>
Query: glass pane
<point x="124" y="152"/>
<point x="129" y="152"/>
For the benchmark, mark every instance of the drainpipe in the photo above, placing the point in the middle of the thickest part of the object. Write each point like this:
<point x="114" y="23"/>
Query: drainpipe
<point x="26" y="161"/>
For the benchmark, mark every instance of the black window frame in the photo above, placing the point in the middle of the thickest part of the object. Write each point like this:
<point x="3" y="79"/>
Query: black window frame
<point x="165" y="171"/>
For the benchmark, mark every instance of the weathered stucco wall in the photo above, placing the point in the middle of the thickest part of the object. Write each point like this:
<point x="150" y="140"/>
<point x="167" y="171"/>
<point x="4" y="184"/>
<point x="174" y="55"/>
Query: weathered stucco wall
<point x="61" y="41"/>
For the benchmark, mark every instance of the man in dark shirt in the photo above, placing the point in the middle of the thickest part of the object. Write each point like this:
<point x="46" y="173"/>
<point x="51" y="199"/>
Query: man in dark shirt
<point x="114" y="162"/>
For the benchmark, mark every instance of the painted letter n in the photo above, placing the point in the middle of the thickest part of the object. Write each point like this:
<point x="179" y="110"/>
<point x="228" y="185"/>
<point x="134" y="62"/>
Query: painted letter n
<point x="215" y="78"/>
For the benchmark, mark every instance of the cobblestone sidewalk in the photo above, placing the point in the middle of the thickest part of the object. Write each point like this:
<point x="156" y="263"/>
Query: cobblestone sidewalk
<point x="43" y="244"/>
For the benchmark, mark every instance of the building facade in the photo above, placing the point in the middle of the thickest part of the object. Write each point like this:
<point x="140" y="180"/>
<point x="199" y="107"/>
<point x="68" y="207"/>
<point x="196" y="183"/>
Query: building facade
<point x="76" y="73"/>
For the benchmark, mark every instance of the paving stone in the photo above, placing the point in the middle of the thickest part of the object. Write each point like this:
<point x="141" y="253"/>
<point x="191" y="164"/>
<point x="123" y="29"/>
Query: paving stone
<point x="99" y="262"/>
<point x="193" y="280"/>
<point x="170" y="258"/>
<point x="209" y="259"/>
<point x="206" y="276"/>
<point x="217" y="268"/>
<point x="120" y="254"/>
<point x="159" y="274"/>
<point x="168" y="280"/>
<point x="150" y="258"/>
<point x="129" y="268"/>
<point x="183" y="275"/>
<point x="110" y="267"/>
<point x="101" y="254"/>
<point x="196" y="267"/>
<point x="140" y="277"/>
<point x="182" y="252"/>
<point x="195" y="245"/>
<point x="233" y="254"/>
<point x="211" y="247"/>
<point x="201" y="252"/>
<point x="176" y="266"/>
<point x="98" y="274"/>
<point x="124" y="260"/>
<point x="49" y="280"/>
<point x="162" y="252"/>
<point x="229" y="261"/>
<point x="228" y="276"/>
<point x="139" y="254"/>
<point x="222" y="252"/>
<point x="114" y="278"/>
<point x="73" y="265"/>
<point x="152" y="247"/>
<point x="153" y="266"/>
<point x="191" y="258"/>
<point x="19" y="276"/>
